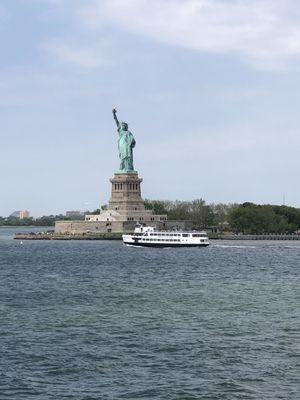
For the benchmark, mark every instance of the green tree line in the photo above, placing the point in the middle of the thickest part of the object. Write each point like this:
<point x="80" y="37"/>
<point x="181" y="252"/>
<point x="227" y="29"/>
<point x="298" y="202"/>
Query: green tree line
<point x="201" y="214"/>
<point x="47" y="220"/>
<point x="245" y="218"/>
<point x="258" y="219"/>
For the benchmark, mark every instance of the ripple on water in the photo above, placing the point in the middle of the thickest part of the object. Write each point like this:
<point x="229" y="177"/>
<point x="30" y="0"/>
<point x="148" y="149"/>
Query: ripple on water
<point x="97" y="320"/>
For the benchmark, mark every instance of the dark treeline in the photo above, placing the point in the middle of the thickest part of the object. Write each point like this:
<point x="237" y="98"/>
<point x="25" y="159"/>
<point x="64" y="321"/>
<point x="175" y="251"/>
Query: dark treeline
<point x="47" y="220"/>
<point x="201" y="214"/>
<point x="257" y="219"/>
<point x="245" y="218"/>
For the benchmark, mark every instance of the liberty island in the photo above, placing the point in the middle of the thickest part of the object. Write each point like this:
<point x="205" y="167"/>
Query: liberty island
<point x="126" y="206"/>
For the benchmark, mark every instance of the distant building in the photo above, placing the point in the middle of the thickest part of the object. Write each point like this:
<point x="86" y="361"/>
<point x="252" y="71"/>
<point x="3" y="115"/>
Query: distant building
<point x="20" y="214"/>
<point x="24" y="214"/>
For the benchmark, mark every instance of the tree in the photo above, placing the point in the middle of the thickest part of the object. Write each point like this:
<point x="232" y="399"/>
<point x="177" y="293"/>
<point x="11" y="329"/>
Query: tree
<point x="258" y="219"/>
<point x="157" y="206"/>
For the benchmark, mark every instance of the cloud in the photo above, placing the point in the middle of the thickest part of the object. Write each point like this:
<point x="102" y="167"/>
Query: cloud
<point x="3" y="13"/>
<point x="86" y="57"/>
<point x="30" y="88"/>
<point x="265" y="33"/>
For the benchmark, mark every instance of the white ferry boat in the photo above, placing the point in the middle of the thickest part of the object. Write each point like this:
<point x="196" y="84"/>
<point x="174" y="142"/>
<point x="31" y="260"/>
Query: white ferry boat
<point x="147" y="236"/>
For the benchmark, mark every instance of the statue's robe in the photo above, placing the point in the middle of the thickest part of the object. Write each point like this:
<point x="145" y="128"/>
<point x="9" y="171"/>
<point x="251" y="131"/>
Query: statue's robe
<point x="126" y="143"/>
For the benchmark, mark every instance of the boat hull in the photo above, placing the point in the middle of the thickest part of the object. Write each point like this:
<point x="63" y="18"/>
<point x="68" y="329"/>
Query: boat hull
<point x="160" y="245"/>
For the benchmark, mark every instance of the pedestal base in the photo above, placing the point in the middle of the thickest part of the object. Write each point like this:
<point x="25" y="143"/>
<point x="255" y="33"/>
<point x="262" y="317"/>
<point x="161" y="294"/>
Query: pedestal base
<point x="126" y="192"/>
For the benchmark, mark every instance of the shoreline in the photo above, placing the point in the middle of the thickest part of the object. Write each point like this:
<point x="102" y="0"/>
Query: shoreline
<point x="118" y="236"/>
<point x="26" y="226"/>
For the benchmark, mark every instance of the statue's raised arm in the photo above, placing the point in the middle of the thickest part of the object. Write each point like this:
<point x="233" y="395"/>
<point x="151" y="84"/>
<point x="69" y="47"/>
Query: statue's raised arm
<point x="114" y="111"/>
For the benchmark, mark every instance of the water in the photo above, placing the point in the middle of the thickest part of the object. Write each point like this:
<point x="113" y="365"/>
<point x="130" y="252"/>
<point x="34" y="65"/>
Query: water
<point x="96" y="320"/>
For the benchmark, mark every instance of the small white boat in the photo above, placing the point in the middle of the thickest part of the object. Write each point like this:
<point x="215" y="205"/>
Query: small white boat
<point x="147" y="236"/>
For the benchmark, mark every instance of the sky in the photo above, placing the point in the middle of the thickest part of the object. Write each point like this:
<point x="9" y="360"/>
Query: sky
<point x="210" y="89"/>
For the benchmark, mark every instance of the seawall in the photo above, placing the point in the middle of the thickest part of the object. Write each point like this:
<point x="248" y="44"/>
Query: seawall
<point x="118" y="236"/>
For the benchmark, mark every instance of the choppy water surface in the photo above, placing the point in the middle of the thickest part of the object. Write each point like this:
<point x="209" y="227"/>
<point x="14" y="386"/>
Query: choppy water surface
<point x="96" y="320"/>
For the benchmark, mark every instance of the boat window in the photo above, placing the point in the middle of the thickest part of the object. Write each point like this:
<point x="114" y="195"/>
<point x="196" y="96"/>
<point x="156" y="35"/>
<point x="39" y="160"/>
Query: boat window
<point x="185" y="235"/>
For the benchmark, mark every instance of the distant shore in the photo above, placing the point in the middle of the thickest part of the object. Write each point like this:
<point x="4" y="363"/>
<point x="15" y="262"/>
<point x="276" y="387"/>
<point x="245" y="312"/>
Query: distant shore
<point x="26" y="226"/>
<point x="118" y="236"/>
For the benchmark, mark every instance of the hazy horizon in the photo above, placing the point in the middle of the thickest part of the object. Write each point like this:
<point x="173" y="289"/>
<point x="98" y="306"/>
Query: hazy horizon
<point x="210" y="90"/>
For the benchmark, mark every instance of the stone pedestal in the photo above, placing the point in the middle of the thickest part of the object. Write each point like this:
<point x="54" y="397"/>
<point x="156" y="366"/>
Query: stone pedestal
<point x="126" y="193"/>
<point x="125" y="209"/>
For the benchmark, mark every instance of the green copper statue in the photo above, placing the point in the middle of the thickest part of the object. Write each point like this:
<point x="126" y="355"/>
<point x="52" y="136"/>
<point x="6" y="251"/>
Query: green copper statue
<point x="126" y="143"/>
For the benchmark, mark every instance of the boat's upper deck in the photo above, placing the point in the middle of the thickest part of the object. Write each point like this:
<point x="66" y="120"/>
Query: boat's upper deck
<point x="172" y="234"/>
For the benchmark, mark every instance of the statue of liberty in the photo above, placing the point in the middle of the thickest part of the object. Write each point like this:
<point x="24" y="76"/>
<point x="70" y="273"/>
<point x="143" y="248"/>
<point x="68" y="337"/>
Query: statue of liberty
<point x="126" y="143"/>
